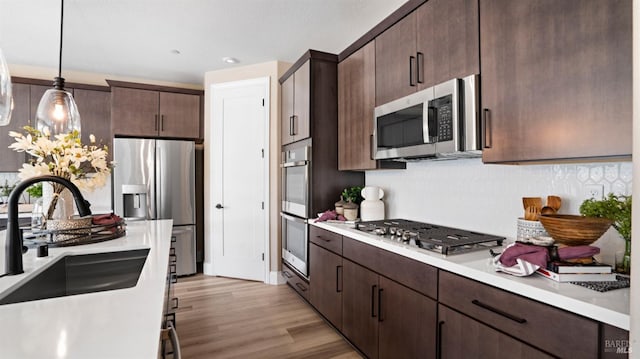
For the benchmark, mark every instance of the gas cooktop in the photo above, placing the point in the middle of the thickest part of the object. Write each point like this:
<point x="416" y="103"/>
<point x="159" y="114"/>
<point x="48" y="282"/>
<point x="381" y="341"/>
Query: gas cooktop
<point x="431" y="237"/>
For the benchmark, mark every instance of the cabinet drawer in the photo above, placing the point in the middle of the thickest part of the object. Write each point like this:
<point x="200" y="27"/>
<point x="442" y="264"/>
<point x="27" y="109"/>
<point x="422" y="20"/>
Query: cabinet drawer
<point x="418" y="276"/>
<point x="296" y="282"/>
<point x="326" y="239"/>
<point x="551" y="329"/>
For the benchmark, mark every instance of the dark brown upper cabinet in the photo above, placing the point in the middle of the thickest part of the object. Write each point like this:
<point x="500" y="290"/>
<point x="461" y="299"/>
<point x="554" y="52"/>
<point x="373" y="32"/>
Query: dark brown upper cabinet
<point x="356" y="102"/>
<point x="295" y="105"/>
<point x="146" y="111"/>
<point x="556" y="79"/>
<point x="435" y="43"/>
<point x="447" y="35"/>
<point x="11" y="160"/>
<point x="95" y="113"/>
<point x="396" y="61"/>
<point x="94" y="106"/>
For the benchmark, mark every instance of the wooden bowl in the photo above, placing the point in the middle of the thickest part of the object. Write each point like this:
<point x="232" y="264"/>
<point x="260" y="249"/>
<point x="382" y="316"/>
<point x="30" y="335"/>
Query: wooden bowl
<point x="572" y="230"/>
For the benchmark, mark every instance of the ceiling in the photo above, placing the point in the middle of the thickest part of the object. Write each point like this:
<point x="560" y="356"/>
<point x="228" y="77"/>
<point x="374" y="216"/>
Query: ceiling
<point x="140" y="38"/>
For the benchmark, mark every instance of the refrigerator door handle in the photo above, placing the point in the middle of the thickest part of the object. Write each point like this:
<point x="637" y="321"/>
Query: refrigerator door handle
<point x="159" y="189"/>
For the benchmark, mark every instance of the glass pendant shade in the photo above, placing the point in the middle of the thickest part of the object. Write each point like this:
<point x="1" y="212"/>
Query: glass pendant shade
<point x="6" y="98"/>
<point x="57" y="113"/>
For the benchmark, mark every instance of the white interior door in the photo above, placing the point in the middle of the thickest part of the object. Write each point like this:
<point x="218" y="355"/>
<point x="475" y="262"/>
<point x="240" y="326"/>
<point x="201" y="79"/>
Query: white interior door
<point x="238" y="180"/>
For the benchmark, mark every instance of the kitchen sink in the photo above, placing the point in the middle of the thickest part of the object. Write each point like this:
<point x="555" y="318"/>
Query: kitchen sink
<point x="81" y="274"/>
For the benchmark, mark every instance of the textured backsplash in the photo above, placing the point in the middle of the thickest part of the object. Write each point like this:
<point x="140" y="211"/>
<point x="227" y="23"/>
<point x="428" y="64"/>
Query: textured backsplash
<point x="468" y="194"/>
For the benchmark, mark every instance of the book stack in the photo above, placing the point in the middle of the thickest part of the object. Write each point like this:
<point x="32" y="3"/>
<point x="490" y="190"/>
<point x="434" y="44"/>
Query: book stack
<point x="575" y="272"/>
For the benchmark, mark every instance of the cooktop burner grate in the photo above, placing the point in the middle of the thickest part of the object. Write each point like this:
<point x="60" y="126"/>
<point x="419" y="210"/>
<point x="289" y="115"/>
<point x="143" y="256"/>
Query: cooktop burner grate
<point x="440" y="239"/>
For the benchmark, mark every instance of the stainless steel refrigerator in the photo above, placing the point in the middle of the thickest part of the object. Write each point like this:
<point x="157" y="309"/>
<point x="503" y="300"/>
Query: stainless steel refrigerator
<point x="155" y="179"/>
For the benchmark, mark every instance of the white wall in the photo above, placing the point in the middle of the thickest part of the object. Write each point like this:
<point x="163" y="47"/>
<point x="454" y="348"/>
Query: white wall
<point x="468" y="194"/>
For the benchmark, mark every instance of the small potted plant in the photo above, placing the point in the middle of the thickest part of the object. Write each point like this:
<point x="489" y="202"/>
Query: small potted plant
<point x="353" y="197"/>
<point x="617" y="209"/>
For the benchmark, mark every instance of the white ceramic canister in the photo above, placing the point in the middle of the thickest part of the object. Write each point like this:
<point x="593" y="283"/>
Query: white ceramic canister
<point x="372" y="207"/>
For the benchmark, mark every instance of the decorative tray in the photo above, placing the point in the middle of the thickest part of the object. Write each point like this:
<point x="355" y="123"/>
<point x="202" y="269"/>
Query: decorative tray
<point x="76" y="235"/>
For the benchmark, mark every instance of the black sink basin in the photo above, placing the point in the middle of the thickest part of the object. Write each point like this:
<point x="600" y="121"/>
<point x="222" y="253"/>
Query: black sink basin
<point x="80" y="274"/>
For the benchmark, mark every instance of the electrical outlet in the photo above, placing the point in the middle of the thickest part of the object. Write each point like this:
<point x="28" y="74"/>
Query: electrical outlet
<point x="595" y="191"/>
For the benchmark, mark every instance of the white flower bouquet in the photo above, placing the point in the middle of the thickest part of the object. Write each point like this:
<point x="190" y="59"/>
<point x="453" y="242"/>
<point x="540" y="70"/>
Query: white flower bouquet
<point x="64" y="156"/>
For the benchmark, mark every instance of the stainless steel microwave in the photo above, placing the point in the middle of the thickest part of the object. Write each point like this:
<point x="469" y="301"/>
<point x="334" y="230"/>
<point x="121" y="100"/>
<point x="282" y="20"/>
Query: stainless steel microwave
<point x="438" y="122"/>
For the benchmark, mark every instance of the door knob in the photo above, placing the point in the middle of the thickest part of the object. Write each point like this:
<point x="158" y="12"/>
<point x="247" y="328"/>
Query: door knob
<point x="219" y="206"/>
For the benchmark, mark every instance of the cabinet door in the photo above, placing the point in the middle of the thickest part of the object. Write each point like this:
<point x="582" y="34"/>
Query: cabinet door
<point x="134" y="112"/>
<point x="12" y="160"/>
<point x="460" y="335"/>
<point x="287" y="111"/>
<point x="95" y="114"/>
<point x="326" y="274"/>
<point x="36" y="93"/>
<point x="448" y="37"/>
<point x="360" y="308"/>
<point x="407" y="323"/>
<point x="396" y="61"/>
<point x="179" y="115"/>
<point x="356" y="102"/>
<point x="301" y="102"/>
<point x="556" y="79"/>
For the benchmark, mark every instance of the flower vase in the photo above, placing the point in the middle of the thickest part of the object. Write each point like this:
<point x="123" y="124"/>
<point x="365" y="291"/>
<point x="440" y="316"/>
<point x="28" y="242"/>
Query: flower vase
<point x="64" y="208"/>
<point x="624" y="266"/>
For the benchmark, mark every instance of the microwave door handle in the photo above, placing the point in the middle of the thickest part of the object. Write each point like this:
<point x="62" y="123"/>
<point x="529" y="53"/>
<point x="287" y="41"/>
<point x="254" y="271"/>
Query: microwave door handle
<point x="430" y="126"/>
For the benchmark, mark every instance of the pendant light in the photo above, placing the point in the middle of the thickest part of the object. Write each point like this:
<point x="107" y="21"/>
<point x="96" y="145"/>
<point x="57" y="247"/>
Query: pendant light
<point x="6" y="99"/>
<point x="57" y="112"/>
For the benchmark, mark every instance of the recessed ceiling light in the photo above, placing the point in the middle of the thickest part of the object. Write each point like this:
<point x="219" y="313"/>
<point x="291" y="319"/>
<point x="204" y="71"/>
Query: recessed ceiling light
<point x="175" y="52"/>
<point x="230" y="60"/>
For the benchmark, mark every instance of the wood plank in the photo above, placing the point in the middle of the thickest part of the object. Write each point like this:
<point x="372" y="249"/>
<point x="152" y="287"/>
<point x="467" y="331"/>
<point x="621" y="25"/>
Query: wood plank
<point x="229" y="318"/>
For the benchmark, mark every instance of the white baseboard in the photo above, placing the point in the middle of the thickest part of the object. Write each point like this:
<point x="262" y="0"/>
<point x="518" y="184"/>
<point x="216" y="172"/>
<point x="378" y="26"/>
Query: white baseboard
<point x="207" y="268"/>
<point x="276" y="278"/>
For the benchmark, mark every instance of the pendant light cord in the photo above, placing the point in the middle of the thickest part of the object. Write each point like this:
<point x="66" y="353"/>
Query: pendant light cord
<point x="61" y="22"/>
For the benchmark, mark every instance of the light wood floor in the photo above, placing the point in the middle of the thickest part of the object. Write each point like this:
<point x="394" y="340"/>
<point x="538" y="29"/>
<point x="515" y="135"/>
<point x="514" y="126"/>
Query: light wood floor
<point x="229" y="318"/>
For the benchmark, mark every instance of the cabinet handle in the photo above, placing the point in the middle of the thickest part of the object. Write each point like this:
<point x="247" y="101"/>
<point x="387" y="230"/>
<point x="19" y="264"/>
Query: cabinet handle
<point x="173" y="259"/>
<point x="499" y="311"/>
<point x="419" y="69"/>
<point x="338" y="279"/>
<point x="295" y="119"/>
<point x="287" y="275"/>
<point x="175" y="304"/>
<point x="373" y="307"/>
<point x="439" y="339"/>
<point x="290" y="125"/>
<point x="412" y="60"/>
<point x="371" y="150"/>
<point x="324" y="239"/>
<point x="380" y="304"/>
<point x="486" y="128"/>
<point x="161" y="122"/>
<point x="302" y="287"/>
<point x="155" y="119"/>
<point x="174" y="278"/>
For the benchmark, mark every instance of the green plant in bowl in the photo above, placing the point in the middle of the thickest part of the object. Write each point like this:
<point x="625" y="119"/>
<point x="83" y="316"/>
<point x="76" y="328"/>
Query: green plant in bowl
<point x="618" y="209"/>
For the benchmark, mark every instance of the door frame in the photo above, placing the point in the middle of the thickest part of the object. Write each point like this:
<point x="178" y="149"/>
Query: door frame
<point x="208" y="172"/>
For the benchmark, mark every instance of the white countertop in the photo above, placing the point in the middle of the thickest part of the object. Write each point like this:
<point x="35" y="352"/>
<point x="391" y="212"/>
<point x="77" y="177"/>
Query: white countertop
<point x="123" y="323"/>
<point x="610" y="307"/>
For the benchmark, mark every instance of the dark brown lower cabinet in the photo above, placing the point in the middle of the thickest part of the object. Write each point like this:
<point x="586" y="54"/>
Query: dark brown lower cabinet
<point x="463" y="337"/>
<point x="326" y="295"/>
<point x="360" y="307"/>
<point x="295" y="281"/>
<point x="385" y="319"/>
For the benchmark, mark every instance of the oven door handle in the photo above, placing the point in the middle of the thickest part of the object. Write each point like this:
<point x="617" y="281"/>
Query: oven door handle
<point x="292" y="218"/>
<point x="294" y="164"/>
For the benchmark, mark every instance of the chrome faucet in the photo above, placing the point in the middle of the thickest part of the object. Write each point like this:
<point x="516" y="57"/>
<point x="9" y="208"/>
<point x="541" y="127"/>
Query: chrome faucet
<point x="13" y="243"/>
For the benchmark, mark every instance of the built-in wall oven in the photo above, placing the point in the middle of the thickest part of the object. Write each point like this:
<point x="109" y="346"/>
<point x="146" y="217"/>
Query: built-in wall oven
<point x="296" y="175"/>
